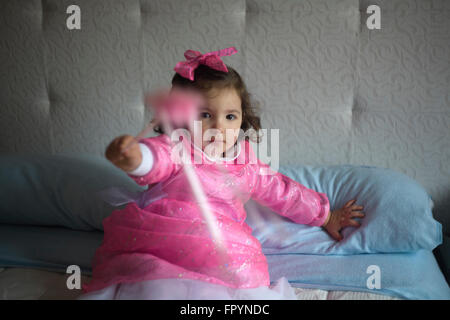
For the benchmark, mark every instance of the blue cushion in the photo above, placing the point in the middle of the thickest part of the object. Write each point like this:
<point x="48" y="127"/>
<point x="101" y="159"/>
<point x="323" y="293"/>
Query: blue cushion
<point x="414" y="275"/>
<point x="398" y="213"/>
<point x="58" y="190"/>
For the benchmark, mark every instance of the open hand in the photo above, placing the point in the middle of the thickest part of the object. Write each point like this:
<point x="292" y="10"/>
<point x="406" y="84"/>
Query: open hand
<point x="342" y="218"/>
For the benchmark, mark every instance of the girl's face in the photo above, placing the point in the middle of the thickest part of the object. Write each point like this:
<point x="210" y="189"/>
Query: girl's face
<point x="222" y="111"/>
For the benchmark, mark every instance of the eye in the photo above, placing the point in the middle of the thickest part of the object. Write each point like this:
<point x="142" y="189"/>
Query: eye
<point x="232" y="116"/>
<point x="205" y="115"/>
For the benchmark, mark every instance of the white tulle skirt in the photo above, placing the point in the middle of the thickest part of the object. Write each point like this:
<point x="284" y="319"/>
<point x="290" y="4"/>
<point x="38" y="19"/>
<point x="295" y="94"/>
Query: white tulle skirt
<point x="188" y="289"/>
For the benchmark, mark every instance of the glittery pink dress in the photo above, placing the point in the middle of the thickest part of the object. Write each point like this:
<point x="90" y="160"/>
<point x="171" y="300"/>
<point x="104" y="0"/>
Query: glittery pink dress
<point x="168" y="239"/>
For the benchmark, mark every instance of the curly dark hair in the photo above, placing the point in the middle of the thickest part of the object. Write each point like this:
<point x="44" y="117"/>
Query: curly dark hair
<point x="206" y="78"/>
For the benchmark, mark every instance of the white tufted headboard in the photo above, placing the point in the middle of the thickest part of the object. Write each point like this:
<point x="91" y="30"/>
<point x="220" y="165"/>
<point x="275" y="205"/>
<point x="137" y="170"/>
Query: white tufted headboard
<point x="339" y="92"/>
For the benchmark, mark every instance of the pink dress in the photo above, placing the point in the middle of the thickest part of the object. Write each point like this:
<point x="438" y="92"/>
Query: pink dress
<point x="168" y="239"/>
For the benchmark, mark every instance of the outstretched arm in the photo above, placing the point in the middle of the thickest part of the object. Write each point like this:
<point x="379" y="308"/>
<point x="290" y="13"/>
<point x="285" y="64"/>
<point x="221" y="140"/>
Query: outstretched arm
<point x="289" y="198"/>
<point x="157" y="164"/>
<point x="146" y="163"/>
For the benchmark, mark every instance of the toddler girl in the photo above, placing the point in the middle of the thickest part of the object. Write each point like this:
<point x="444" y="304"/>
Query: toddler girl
<point x="164" y="250"/>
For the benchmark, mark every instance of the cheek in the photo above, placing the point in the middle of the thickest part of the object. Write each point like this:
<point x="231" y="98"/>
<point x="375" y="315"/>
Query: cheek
<point x="235" y="137"/>
<point x="238" y="127"/>
<point x="205" y="127"/>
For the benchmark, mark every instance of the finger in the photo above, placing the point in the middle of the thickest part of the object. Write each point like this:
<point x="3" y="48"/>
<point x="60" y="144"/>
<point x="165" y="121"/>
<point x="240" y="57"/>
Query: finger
<point x="348" y="204"/>
<point x="112" y="153"/>
<point x="116" y="160"/>
<point x="357" y="207"/>
<point x="116" y="141"/>
<point x="108" y="151"/>
<point x="348" y="211"/>
<point x="117" y="144"/>
<point x="128" y="139"/>
<point x="123" y="144"/>
<point x="126" y="144"/>
<point x="336" y="235"/>
<point x="353" y="223"/>
<point x="358" y="214"/>
<point x="346" y="214"/>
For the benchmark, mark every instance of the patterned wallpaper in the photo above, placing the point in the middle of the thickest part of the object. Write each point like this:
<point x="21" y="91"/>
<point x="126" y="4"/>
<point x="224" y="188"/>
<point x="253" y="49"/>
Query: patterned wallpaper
<point x="338" y="92"/>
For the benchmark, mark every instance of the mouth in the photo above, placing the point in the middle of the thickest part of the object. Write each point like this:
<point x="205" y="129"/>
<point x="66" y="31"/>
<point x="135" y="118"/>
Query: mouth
<point x="213" y="139"/>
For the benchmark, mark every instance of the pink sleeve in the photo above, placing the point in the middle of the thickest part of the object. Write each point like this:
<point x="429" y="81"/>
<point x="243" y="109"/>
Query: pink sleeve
<point x="289" y="198"/>
<point x="163" y="166"/>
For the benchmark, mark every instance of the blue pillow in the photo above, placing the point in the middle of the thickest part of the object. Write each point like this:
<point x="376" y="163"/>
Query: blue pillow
<point x="48" y="248"/>
<point x="58" y="190"/>
<point x="398" y="213"/>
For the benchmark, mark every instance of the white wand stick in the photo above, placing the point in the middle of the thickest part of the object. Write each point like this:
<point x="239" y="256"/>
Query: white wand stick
<point x="199" y="195"/>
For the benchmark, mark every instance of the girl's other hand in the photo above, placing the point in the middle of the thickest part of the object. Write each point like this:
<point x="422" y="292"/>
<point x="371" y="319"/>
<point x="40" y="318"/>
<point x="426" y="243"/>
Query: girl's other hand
<point x="127" y="160"/>
<point x="342" y="218"/>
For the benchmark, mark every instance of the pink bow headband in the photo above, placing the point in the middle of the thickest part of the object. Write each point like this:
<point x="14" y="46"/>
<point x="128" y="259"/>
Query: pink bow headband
<point x="195" y="58"/>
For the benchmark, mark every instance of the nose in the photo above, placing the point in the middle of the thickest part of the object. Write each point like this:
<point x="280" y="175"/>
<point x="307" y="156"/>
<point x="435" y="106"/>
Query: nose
<point x="219" y="125"/>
